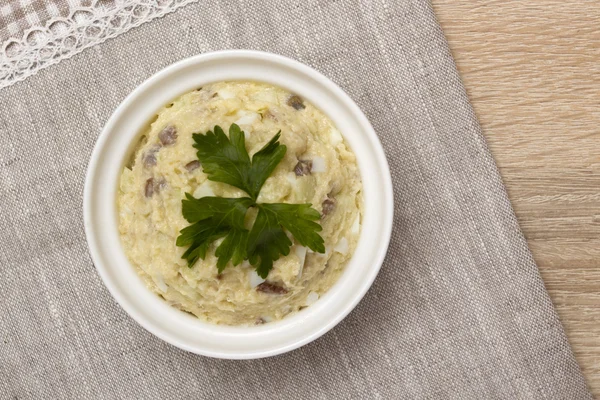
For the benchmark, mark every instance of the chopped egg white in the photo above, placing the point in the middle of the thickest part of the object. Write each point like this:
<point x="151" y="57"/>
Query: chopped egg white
<point x="267" y="96"/>
<point x="318" y="165"/>
<point x="342" y="247"/>
<point x="254" y="279"/>
<point x="160" y="283"/>
<point x="291" y="178"/>
<point x="356" y="225"/>
<point x="301" y="253"/>
<point x="336" y="137"/>
<point x="203" y="190"/>
<point x="267" y="318"/>
<point x="311" y="298"/>
<point x="226" y="94"/>
<point x="247" y="118"/>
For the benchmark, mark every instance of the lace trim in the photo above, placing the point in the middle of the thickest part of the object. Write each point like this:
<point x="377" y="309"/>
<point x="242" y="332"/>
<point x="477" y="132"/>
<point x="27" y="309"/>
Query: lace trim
<point x="62" y="38"/>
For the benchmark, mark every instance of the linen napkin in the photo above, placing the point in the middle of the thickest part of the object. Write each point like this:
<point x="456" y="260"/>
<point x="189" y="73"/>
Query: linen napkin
<point x="458" y="311"/>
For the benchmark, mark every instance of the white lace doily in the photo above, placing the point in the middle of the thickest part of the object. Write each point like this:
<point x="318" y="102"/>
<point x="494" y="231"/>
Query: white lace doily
<point x="62" y="37"/>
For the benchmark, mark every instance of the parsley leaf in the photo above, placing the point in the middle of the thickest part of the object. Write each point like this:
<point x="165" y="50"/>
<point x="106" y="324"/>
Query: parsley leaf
<point x="213" y="218"/>
<point x="225" y="159"/>
<point x="268" y="240"/>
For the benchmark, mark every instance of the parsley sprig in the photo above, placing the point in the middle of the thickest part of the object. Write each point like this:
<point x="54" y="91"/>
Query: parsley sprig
<point x="225" y="159"/>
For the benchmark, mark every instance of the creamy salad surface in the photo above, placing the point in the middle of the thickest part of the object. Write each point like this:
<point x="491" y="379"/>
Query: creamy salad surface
<point x="318" y="168"/>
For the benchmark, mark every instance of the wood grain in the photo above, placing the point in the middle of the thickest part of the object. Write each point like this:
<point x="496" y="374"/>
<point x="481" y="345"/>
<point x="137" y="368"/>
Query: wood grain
<point x="532" y="72"/>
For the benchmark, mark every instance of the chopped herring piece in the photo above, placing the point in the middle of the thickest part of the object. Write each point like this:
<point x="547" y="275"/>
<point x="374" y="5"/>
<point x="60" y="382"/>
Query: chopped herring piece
<point x="296" y="102"/>
<point x="271" y="288"/>
<point x="254" y="279"/>
<point x="318" y="165"/>
<point x="342" y="247"/>
<point x="311" y="298"/>
<point x="153" y="186"/>
<point x="192" y="165"/>
<point x="328" y="206"/>
<point x="269" y="115"/>
<point x="260" y="321"/>
<point x="149" y="158"/>
<point x="303" y="167"/>
<point x="149" y="188"/>
<point x="168" y="135"/>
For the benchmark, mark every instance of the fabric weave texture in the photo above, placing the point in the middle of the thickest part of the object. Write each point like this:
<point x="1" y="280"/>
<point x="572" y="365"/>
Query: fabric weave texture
<point x="35" y="34"/>
<point x="458" y="311"/>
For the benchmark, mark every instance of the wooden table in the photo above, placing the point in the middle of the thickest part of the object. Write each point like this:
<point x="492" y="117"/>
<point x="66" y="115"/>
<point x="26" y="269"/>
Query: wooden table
<point x="532" y="72"/>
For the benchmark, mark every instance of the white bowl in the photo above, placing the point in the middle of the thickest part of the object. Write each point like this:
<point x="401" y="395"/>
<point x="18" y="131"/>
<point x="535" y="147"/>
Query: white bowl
<point x="178" y="328"/>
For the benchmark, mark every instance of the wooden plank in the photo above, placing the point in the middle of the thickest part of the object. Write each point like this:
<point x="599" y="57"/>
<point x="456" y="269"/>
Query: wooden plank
<point x="532" y="71"/>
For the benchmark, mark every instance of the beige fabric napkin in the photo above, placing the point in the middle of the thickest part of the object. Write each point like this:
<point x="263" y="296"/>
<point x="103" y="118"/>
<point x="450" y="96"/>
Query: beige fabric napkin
<point x="17" y="16"/>
<point x="37" y="33"/>
<point x="458" y="311"/>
